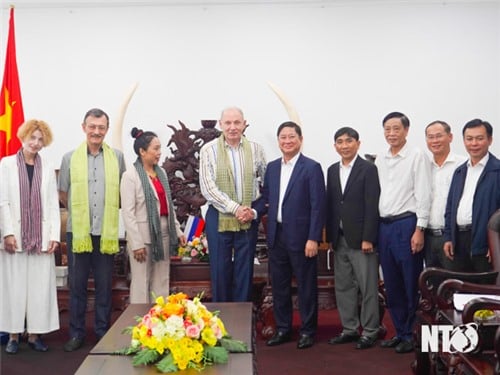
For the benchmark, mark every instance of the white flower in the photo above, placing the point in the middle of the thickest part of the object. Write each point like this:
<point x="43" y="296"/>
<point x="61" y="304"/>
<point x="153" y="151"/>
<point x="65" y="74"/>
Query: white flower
<point x="172" y="327"/>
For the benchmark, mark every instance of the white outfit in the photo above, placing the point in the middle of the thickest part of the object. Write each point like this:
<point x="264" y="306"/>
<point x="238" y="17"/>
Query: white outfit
<point x="28" y="282"/>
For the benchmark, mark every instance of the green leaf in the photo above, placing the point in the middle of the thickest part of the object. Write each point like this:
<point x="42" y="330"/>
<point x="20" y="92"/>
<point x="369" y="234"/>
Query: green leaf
<point x="233" y="346"/>
<point x="126" y="351"/>
<point x="138" y="318"/>
<point x="128" y="330"/>
<point x="216" y="354"/>
<point x="145" y="357"/>
<point x="167" y="364"/>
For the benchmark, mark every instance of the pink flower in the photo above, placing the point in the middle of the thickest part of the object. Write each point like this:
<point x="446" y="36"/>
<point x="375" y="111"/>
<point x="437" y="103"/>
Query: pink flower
<point x="204" y="242"/>
<point x="193" y="331"/>
<point x="146" y="320"/>
<point x="217" y="331"/>
<point x="194" y="253"/>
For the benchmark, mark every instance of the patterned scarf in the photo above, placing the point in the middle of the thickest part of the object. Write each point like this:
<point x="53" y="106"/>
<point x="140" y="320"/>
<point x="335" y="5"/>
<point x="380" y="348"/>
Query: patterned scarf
<point x="31" y="204"/>
<point x="225" y="182"/>
<point x="154" y="215"/>
<point x="80" y="213"/>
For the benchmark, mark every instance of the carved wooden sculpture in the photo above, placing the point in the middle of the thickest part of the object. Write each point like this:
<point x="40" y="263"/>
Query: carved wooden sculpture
<point x="183" y="166"/>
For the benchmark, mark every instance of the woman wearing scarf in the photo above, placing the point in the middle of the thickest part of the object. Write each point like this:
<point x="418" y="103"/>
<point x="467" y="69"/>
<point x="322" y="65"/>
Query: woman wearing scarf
<point x="30" y="226"/>
<point x="152" y="229"/>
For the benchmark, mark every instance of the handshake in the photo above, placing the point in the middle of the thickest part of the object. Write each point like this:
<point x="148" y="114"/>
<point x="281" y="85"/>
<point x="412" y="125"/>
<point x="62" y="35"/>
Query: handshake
<point x="244" y="214"/>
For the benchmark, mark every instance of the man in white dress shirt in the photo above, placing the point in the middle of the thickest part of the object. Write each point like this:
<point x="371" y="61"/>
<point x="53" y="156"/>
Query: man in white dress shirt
<point x="404" y="206"/>
<point x="438" y="136"/>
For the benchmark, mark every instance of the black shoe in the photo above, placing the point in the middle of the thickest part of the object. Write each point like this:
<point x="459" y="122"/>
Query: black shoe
<point x="365" y="342"/>
<point x="278" y="339"/>
<point x="73" y="344"/>
<point x="12" y="347"/>
<point x="405" y="346"/>
<point x="391" y="343"/>
<point x="38" y="345"/>
<point x="305" y="341"/>
<point x="343" y="338"/>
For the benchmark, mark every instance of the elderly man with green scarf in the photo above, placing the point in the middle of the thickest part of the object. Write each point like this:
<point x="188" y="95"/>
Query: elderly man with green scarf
<point x="231" y="171"/>
<point x="89" y="186"/>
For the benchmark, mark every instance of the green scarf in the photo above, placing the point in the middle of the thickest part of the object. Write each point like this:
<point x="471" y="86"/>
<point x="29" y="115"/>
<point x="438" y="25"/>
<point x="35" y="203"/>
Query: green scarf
<point x="154" y="215"/>
<point x="80" y="213"/>
<point x="225" y="181"/>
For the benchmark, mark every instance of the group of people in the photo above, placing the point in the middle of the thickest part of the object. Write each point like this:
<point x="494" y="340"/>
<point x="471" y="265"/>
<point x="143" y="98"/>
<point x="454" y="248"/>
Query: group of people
<point x="401" y="212"/>
<point x="93" y="185"/>
<point x="393" y="212"/>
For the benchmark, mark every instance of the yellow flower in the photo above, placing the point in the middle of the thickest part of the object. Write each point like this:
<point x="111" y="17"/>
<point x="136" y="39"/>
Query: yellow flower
<point x="160" y="301"/>
<point x="208" y="336"/>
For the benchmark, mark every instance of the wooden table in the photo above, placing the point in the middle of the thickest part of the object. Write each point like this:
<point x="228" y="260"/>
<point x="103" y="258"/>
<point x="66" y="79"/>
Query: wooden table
<point x="237" y="318"/>
<point x="238" y="363"/>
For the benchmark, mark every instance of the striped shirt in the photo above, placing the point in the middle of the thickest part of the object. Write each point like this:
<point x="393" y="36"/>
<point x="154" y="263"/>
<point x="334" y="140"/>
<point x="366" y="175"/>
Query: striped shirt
<point x="208" y="174"/>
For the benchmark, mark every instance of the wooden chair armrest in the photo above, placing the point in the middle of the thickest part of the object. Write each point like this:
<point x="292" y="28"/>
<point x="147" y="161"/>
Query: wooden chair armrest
<point x="480" y="303"/>
<point x="450" y="287"/>
<point x="432" y="277"/>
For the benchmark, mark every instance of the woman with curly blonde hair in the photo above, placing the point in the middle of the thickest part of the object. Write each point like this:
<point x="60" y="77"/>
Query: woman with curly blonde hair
<point x="29" y="226"/>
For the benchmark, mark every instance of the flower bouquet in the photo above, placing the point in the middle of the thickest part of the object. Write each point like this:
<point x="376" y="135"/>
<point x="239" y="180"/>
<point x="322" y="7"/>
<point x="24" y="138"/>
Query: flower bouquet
<point x="197" y="248"/>
<point x="180" y="333"/>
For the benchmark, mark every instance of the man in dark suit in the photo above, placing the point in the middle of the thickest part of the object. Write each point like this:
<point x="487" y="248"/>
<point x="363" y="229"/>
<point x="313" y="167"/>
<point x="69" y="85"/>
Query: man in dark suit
<point x="352" y="195"/>
<point x="473" y="197"/>
<point x="294" y="194"/>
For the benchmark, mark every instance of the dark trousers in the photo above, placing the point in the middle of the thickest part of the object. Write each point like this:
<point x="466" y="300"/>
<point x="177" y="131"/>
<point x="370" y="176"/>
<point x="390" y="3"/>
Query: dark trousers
<point x="401" y="270"/>
<point x="102" y="270"/>
<point x="284" y="264"/>
<point x="433" y="249"/>
<point x="463" y="261"/>
<point x="231" y="260"/>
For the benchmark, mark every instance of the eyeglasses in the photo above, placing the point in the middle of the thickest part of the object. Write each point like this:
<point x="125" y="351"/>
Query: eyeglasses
<point x="98" y="127"/>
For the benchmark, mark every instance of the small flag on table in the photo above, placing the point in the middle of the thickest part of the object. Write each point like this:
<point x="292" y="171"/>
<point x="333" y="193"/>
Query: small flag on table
<point x="194" y="227"/>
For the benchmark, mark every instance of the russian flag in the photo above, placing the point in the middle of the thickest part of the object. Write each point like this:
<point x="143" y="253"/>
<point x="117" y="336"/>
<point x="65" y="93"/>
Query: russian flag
<point x="194" y="227"/>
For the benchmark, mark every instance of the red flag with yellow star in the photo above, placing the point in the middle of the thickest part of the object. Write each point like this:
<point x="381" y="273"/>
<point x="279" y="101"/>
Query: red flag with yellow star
<point x="11" y="106"/>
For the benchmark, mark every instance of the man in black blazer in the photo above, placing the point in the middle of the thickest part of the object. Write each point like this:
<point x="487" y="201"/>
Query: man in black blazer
<point x="294" y="194"/>
<point x="353" y="191"/>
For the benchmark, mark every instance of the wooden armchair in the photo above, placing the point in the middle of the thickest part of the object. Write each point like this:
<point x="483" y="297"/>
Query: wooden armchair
<point x="485" y="358"/>
<point x="430" y="280"/>
<point x="437" y="287"/>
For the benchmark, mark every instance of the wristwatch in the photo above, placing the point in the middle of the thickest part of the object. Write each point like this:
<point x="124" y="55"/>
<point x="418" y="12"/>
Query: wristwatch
<point x="421" y="228"/>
